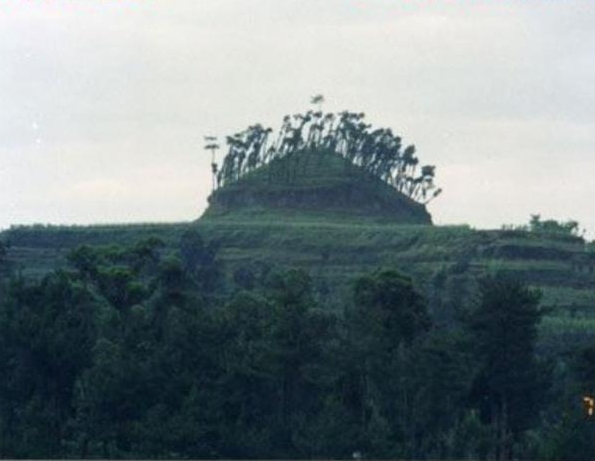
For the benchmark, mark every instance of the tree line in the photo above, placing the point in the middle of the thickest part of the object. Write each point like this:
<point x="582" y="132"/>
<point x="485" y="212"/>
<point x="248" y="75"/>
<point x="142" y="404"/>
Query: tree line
<point x="537" y="225"/>
<point x="378" y="151"/>
<point x="134" y="352"/>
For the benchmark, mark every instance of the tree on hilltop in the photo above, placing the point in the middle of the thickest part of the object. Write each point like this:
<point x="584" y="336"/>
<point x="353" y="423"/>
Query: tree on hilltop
<point x="377" y="151"/>
<point x="212" y="145"/>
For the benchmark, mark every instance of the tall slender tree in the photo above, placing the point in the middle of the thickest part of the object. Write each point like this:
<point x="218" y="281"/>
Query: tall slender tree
<point x="212" y="145"/>
<point x="509" y="383"/>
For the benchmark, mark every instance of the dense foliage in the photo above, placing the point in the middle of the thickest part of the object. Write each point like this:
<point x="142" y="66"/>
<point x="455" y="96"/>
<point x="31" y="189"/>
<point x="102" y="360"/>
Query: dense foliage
<point x="305" y="136"/>
<point x="538" y="225"/>
<point x="135" y="352"/>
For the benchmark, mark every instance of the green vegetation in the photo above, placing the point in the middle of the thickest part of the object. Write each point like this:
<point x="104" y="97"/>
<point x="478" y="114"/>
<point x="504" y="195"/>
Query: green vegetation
<point x="510" y="383"/>
<point x="227" y="277"/>
<point x="311" y="312"/>
<point x="303" y="137"/>
<point x="172" y="350"/>
<point x="337" y="249"/>
<point x="549" y="226"/>
<point x="328" y="186"/>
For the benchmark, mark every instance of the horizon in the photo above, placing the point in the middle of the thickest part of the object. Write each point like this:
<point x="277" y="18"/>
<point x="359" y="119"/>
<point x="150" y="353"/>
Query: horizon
<point x="101" y="98"/>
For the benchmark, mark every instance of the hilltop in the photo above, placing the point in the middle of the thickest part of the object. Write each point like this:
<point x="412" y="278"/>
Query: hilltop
<point x="319" y="184"/>
<point x="331" y="165"/>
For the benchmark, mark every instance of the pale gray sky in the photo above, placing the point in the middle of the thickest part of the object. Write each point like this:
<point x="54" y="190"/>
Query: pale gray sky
<point x="103" y="103"/>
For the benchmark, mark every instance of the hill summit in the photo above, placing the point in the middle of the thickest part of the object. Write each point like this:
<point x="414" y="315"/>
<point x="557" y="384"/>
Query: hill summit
<point x="314" y="183"/>
<point x="330" y="164"/>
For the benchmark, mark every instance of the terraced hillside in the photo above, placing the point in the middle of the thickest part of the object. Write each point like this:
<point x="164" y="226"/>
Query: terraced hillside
<point x="445" y="261"/>
<point x="321" y="213"/>
<point x="316" y="183"/>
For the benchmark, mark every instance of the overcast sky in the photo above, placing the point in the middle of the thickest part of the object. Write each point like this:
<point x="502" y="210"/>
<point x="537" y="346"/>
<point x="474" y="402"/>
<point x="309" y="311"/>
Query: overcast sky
<point x="104" y="103"/>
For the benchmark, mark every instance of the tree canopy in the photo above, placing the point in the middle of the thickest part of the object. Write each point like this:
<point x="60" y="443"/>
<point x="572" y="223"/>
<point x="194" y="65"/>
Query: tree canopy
<point x="141" y="351"/>
<point x="509" y="380"/>
<point x="378" y="151"/>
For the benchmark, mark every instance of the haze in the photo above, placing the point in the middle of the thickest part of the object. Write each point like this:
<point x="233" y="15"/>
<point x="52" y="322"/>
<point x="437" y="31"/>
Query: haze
<point x="104" y="103"/>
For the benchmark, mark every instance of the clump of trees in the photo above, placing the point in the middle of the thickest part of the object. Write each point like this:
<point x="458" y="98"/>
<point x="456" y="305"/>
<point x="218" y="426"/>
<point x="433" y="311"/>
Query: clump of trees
<point x="537" y="225"/>
<point x="551" y="226"/>
<point x="378" y="151"/>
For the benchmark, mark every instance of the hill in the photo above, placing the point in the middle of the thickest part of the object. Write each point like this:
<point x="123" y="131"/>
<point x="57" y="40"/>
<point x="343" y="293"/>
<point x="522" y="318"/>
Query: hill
<point x="317" y="183"/>
<point x="228" y="324"/>
<point x="319" y="211"/>
<point x="445" y="261"/>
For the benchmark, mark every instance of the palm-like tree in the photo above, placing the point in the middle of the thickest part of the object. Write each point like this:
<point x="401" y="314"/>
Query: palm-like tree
<point x="212" y="145"/>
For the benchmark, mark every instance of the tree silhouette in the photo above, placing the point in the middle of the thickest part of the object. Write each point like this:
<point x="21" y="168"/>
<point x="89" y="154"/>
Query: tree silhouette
<point x="377" y="151"/>
<point x="212" y="145"/>
<point x="508" y="385"/>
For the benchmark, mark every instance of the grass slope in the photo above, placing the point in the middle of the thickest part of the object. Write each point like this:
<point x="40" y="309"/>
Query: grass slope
<point x="444" y="261"/>
<point x="315" y="183"/>
<point x="319" y="212"/>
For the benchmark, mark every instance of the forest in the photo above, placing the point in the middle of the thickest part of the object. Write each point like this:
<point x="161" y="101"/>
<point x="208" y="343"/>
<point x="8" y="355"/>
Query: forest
<point x="142" y="351"/>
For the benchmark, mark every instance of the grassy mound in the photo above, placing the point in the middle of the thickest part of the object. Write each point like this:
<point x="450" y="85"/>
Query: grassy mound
<point x="317" y="184"/>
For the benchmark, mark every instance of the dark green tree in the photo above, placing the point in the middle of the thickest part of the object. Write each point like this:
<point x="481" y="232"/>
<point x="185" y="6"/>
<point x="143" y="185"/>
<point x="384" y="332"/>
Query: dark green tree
<point x="387" y="317"/>
<point x="390" y="308"/>
<point x="378" y="151"/>
<point x="440" y="372"/>
<point x="510" y="381"/>
<point x="247" y="386"/>
<point x="199" y="260"/>
<point x="297" y="337"/>
<point x="47" y="331"/>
